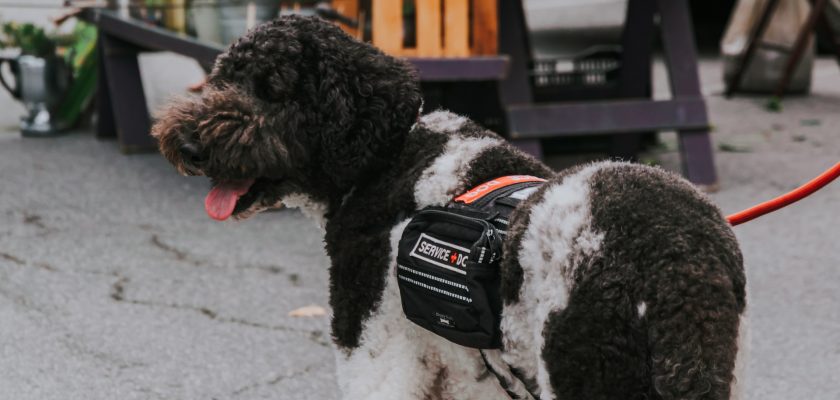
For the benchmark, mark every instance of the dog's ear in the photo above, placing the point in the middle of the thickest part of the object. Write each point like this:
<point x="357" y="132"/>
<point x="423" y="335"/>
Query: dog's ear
<point x="372" y="100"/>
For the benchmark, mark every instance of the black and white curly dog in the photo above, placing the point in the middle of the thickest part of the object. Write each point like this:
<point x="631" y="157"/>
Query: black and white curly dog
<point x="619" y="281"/>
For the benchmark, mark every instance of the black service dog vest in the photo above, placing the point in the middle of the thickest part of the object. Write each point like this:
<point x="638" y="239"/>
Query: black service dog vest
<point x="448" y="262"/>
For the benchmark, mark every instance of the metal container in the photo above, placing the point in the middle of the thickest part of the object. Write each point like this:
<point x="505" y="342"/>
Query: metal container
<point x="40" y="84"/>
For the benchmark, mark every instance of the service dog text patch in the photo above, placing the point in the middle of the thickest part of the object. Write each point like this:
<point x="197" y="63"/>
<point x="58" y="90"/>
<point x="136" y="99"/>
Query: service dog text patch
<point x="441" y="253"/>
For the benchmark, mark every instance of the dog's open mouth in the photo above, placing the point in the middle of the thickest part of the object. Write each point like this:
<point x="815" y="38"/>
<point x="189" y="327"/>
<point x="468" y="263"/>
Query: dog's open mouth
<point x="229" y="197"/>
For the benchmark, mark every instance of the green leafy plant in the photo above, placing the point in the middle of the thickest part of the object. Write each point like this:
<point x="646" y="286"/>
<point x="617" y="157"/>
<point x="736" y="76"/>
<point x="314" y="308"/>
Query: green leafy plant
<point x="29" y="38"/>
<point x="774" y="104"/>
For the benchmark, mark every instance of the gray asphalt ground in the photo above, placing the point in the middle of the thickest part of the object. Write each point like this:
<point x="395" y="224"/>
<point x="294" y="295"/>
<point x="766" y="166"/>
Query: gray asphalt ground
<point x="114" y="284"/>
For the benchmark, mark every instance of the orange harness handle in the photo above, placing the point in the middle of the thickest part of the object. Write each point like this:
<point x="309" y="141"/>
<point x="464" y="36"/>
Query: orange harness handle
<point x="787" y="199"/>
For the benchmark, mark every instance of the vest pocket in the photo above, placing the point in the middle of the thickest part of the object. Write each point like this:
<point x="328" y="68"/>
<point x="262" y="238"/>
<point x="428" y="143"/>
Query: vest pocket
<point x="447" y="271"/>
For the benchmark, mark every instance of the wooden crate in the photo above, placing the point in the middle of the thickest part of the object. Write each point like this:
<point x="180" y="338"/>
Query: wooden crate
<point x="350" y="9"/>
<point x="443" y="28"/>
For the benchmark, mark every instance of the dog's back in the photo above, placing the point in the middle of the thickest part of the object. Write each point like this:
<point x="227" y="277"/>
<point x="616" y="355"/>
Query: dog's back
<point x="623" y="282"/>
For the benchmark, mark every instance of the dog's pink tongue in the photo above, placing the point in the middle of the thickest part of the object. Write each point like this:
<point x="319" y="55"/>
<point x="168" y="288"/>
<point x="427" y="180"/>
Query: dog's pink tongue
<point x="221" y="200"/>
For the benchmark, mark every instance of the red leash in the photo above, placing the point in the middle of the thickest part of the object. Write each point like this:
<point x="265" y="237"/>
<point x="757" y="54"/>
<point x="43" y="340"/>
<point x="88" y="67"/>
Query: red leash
<point x="787" y="199"/>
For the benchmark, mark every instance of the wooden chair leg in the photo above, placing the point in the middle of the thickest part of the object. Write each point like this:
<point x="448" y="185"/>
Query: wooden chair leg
<point x="805" y="32"/>
<point x="825" y="30"/>
<point x="752" y="45"/>
<point x="127" y="98"/>
<point x="105" y="125"/>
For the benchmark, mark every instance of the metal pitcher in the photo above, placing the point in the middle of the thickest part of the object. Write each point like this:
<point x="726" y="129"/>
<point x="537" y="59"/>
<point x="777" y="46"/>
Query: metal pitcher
<point x="40" y="84"/>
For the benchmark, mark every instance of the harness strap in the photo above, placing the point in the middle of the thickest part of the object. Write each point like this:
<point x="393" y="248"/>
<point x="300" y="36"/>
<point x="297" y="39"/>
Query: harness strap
<point x="501" y="195"/>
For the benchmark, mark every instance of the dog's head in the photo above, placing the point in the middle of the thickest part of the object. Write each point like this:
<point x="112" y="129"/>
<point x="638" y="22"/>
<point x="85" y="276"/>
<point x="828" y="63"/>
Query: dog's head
<point x="294" y="107"/>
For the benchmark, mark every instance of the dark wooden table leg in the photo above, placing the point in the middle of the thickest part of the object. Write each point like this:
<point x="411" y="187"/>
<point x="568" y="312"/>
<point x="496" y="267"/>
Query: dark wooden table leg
<point x="126" y="94"/>
<point x="681" y="57"/>
<point x="634" y="81"/>
<point x="105" y="126"/>
<point x="755" y="37"/>
<point x="516" y="87"/>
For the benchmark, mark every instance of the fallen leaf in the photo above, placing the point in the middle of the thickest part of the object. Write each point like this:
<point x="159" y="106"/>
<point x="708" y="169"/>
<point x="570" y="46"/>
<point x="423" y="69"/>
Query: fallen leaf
<point x="731" y="148"/>
<point x="774" y="104"/>
<point x="308" y="311"/>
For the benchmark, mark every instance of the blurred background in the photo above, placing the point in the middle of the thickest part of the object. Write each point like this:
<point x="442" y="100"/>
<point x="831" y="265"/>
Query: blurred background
<point x="115" y="284"/>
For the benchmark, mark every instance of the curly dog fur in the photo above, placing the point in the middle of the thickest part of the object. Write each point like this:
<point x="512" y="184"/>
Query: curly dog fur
<point x="619" y="281"/>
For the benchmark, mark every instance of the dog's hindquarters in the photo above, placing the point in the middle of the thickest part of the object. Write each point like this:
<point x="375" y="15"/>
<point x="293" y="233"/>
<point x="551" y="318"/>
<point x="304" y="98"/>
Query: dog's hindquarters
<point x="631" y="285"/>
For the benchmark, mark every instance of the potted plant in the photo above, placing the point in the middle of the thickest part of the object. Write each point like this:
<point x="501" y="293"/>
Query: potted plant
<point x="41" y="76"/>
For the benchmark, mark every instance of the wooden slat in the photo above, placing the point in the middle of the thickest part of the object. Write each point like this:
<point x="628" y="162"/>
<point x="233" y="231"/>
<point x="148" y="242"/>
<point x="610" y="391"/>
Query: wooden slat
<point x="429" y="43"/>
<point x="387" y="26"/>
<point x="456" y="31"/>
<point x="451" y="69"/>
<point x="485" y="27"/>
<point x="602" y="117"/>
<point x="348" y="8"/>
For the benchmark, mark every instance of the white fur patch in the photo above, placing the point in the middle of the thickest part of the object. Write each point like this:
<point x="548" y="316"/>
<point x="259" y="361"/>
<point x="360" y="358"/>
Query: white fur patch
<point x="558" y="237"/>
<point x="642" y="309"/>
<point x="315" y="210"/>
<point x="442" y="180"/>
<point x="387" y="364"/>
<point x="443" y="121"/>
<point x="399" y="360"/>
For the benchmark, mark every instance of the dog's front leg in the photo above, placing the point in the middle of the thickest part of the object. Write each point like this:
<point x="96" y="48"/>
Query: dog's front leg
<point x="394" y="359"/>
<point x="392" y="362"/>
<point x="397" y="359"/>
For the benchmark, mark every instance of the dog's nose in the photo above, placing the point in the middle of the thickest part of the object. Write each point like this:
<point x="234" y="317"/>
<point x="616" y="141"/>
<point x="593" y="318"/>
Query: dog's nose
<point x="191" y="153"/>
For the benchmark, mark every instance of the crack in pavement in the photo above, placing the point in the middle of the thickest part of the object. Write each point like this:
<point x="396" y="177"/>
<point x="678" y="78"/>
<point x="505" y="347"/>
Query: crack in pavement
<point x="118" y="289"/>
<point x="37" y="221"/>
<point x="45" y="266"/>
<point x="33" y="219"/>
<point x="117" y="293"/>
<point x="82" y="349"/>
<point x="19" y="261"/>
<point x="9" y="257"/>
<point x="272" y="381"/>
<point x="183" y="256"/>
<point x="178" y="254"/>
<point x="22" y="301"/>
